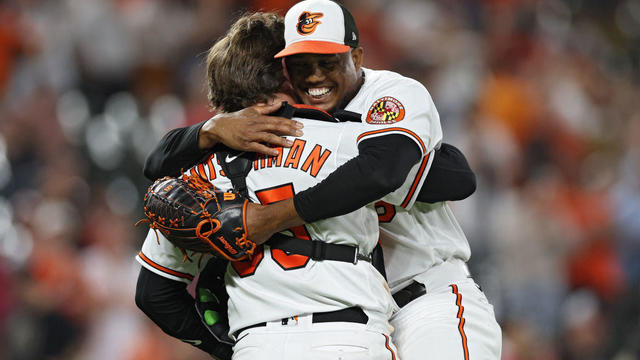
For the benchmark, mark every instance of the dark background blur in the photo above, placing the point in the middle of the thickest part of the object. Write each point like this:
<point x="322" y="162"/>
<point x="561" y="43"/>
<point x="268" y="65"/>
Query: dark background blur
<point x="542" y="96"/>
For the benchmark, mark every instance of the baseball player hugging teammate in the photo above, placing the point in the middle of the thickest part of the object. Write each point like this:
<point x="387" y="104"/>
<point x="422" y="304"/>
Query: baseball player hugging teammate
<point x="329" y="180"/>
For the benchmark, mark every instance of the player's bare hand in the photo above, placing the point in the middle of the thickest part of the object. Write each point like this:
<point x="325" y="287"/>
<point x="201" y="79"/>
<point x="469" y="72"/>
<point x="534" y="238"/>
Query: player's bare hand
<point x="250" y="129"/>
<point x="265" y="220"/>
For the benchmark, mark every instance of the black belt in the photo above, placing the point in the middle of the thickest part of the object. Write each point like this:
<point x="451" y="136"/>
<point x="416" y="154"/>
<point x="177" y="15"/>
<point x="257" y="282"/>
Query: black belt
<point x="317" y="250"/>
<point x="409" y="293"/>
<point x="352" y="314"/>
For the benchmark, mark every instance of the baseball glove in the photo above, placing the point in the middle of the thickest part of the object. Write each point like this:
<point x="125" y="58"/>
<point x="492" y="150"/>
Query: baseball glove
<point x="196" y="216"/>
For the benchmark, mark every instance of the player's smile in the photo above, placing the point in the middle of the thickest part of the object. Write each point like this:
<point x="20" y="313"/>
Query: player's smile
<point x="319" y="92"/>
<point x="319" y="95"/>
<point x="326" y="81"/>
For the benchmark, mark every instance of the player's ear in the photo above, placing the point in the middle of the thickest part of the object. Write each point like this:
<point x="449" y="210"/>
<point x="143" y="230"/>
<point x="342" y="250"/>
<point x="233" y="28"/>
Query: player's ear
<point x="356" y="56"/>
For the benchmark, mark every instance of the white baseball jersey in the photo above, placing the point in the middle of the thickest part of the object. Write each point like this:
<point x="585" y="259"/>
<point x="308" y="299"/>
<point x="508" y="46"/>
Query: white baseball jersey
<point x="424" y="242"/>
<point x="398" y="104"/>
<point x="416" y="239"/>
<point x="276" y="285"/>
<point x="413" y="239"/>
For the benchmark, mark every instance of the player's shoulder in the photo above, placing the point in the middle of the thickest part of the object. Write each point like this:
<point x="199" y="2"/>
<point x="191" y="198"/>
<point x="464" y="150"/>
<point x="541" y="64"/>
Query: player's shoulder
<point x="387" y="96"/>
<point x="385" y="80"/>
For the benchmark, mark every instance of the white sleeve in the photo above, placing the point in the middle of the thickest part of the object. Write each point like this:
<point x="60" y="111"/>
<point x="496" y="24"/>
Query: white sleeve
<point x="163" y="258"/>
<point x="404" y="106"/>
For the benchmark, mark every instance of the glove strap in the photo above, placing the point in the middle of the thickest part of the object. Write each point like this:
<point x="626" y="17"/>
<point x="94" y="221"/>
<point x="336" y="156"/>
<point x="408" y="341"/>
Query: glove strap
<point x="236" y="169"/>
<point x="317" y="250"/>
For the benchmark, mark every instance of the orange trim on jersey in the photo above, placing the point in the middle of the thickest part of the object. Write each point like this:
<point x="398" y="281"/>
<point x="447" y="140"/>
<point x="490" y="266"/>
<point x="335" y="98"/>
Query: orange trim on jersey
<point x="164" y="269"/>
<point x="304" y="106"/>
<point x="465" y="348"/>
<point x="416" y="181"/>
<point x="374" y="132"/>
<point x="386" y="344"/>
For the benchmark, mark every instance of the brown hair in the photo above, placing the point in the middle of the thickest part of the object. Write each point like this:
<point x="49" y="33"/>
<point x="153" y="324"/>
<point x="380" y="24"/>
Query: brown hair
<point x="241" y="70"/>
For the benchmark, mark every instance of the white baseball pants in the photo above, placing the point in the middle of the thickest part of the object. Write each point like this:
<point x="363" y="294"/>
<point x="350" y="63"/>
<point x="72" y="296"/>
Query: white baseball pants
<point x="452" y="321"/>
<point x="303" y="339"/>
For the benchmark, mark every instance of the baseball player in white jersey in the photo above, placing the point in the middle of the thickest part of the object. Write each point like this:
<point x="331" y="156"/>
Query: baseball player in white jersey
<point x="286" y="305"/>
<point x="443" y="314"/>
<point x="450" y="317"/>
<point x="278" y="301"/>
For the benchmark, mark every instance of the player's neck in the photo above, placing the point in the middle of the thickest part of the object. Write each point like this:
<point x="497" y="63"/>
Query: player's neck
<point x="347" y="99"/>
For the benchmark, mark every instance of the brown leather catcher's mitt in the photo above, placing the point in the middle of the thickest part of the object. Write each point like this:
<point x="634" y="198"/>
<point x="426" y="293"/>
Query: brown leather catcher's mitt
<point x="194" y="215"/>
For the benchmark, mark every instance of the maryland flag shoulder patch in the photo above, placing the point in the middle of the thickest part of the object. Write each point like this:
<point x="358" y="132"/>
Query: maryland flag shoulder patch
<point x="386" y="110"/>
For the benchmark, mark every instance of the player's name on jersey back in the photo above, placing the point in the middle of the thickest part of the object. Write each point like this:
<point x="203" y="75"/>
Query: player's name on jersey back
<point x="295" y="158"/>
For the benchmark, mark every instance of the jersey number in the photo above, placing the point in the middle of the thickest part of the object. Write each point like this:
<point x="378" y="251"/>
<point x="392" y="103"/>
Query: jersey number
<point x="287" y="262"/>
<point x="385" y="211"/>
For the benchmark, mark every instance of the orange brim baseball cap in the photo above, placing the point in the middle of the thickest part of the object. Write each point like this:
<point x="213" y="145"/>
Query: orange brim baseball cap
<point x="313" y="47"/>
<point x="318" y="27"/>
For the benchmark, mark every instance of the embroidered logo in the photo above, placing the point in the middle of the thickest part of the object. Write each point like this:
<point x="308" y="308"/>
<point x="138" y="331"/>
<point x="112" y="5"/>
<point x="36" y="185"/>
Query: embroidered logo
<point x="386" y="110"/>
<point x="307" y="22"/>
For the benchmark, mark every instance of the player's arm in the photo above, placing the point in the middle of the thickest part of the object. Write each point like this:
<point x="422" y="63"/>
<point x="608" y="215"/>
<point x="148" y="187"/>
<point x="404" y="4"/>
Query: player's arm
<point x="387" y="164"/>
<point x="381" y="166"/>
<point x="450" y="177"/>
<point x="247" y="130"/>
<point x="168" y="304"/>
<point x="177" y="150"/>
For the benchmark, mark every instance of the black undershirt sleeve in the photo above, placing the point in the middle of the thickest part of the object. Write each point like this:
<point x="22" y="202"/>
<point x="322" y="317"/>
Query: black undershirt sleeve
<point x="450" y="177"/>
<point x="384" y="161"/>
<point x="381" y="167"/>
<point x="170" y="306"/>
<point x="177" y="150"/>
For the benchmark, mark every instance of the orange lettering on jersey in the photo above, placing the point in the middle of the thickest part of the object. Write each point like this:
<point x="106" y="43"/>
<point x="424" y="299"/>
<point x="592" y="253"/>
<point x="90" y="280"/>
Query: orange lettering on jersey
<point x="200" y="170"/>
<point x="212" y="169"/>
<point x="221" y="171"/>
<point x="263" y="161"/>
<point x="315" y="160"/>
<point x="275" y="160"/>
<point x="295" y="153"/>
<point x="286" y="261"/>
<point x="385" y="211"/>
<point x="248" y="267"/>
<point x="228" y="196"/>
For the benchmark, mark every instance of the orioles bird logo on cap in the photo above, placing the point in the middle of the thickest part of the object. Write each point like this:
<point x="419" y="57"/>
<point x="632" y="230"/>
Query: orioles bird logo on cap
<point x="307" y="22"/>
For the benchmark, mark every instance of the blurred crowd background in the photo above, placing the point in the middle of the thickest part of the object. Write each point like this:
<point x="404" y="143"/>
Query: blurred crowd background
<point x="543" y="96"/>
